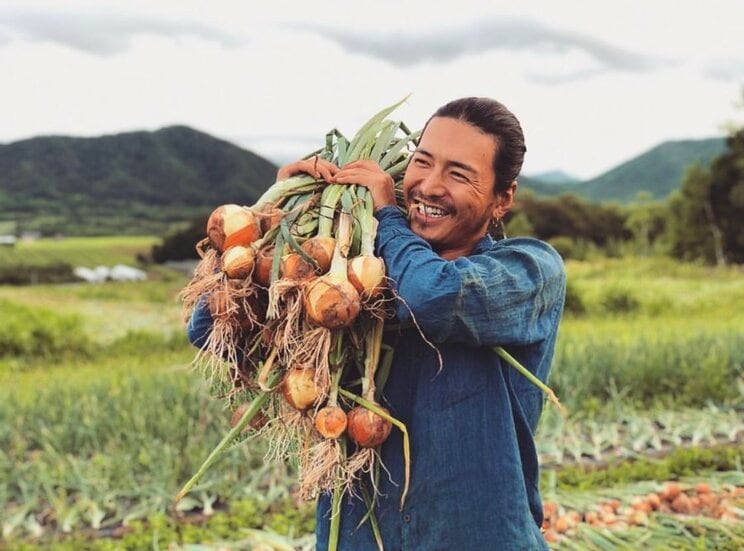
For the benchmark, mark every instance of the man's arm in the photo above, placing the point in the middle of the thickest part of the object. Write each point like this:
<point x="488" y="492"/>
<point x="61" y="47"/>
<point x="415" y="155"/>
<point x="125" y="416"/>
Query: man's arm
<point x="200" y="324"/>
<point x="511" y="295"/>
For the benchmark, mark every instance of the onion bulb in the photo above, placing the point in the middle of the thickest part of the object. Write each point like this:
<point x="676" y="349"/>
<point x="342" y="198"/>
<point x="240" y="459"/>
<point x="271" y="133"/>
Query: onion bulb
<point x="238" y="262"/>
<point x="331" y="302"/>
<point x="299" y="388"/>
<point x="367" y="429"/>
<point x="262" y="271"/>
<point x="331" y="421"/>
<point x="296" y="268"/>
<point x="320" y="249"/>
<point x="231" y="225"/>
<point x="367" y="275"/>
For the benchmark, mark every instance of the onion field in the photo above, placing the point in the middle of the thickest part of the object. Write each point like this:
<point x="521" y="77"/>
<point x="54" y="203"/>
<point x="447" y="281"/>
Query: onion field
<point x="102" y="418"/>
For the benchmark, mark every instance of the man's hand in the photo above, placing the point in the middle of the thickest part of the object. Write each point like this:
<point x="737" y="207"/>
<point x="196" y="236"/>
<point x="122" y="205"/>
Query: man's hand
<point x="369" y="174"/>
<point x="314" y="166"/>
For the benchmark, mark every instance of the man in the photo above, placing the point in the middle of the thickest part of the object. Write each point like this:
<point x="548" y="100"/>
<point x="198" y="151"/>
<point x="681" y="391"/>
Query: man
<point x="474" y="477"/>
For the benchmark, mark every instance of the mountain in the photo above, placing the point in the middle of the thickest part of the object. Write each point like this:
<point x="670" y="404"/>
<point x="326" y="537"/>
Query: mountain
<point x="658" y="171"/>
<point x="144" y="182"/>
<point x="136" y="182"/>
<point x="555" y="177"/>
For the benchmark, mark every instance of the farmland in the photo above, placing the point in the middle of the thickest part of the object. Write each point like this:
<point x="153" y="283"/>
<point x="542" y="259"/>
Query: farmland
<point x="102" y="417"/>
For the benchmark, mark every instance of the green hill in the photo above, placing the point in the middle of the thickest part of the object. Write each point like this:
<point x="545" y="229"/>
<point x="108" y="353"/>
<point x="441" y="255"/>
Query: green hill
<point x="131" y="183"/>
<point x="658" y="171"/>
<point x="142" y="183"/>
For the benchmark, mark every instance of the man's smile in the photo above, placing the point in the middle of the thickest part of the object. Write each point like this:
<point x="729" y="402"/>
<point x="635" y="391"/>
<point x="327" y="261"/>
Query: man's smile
<point x="426" y="213"/>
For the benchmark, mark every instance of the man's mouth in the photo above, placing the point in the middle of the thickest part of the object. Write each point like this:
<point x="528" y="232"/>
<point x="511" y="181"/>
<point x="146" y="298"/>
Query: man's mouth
<point x="427" y="210"/>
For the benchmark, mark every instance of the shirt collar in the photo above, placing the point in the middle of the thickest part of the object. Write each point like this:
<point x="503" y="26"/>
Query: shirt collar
<point x="485" y="244"/>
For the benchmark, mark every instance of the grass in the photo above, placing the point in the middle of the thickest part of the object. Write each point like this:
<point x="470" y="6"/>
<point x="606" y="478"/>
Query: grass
<point x="102" y="418"/>
<point x="78" y="251"/>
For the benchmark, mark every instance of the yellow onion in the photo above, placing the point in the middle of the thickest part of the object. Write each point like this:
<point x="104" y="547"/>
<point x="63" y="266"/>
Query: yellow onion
<point x="331" y="421"/>
<point x="258" y="421"/>
<point x="262" y="271"/>
<point x="320" y="249"/>
<point x="331" y="302"/>
<point x="231" y="225"/>
<point x="238" y="262"/>
<point x="367" y="429"/>
<point x="299" y="388"/>
<point x="296" y="268"/>
<point x="367" y="275"/>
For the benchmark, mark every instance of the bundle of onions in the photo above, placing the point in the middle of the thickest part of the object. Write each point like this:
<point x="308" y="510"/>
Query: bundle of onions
<point x="331" y="301"/>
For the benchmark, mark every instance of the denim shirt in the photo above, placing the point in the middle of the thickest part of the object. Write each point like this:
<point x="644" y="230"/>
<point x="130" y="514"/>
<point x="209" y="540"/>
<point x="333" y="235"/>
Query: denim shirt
<point x="474" y="472"/>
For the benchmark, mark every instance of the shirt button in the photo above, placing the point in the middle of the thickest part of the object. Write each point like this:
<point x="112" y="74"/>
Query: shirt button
<point x="406" y="518"/>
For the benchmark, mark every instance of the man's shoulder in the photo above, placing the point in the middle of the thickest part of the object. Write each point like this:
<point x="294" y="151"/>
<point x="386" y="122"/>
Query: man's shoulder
<point x="540" y="250"/>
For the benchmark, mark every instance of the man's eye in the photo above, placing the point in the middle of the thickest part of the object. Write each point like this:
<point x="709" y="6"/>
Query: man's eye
<point x="420" y="162"/>
<point x="459" y="176"/>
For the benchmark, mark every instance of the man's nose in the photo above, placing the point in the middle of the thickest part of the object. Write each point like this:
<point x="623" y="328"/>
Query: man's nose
<point x="432" y="184"/>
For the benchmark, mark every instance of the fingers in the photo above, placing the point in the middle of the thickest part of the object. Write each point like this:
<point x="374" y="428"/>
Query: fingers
<point x="363" y="163"/>
<point x="364" y="172"/>
<point x="315" y="167"/>
<point x="325" y="170"/>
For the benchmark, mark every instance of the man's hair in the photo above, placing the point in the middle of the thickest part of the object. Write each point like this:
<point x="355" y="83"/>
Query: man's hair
<point x="494" y="119"/>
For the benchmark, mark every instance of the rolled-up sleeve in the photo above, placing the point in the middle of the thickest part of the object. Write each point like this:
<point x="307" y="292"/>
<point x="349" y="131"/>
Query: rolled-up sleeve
<point x="510" y="294"/>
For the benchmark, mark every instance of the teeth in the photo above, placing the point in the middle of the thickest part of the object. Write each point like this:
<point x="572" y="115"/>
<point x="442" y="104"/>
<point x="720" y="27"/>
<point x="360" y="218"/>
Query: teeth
<point x="430" y="211"/>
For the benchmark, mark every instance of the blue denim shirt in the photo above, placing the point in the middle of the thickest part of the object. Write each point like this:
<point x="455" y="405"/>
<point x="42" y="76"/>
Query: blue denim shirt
<point x="474" y="472"/>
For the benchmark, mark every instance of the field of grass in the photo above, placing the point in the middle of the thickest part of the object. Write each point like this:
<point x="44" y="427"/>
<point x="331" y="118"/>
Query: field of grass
<point x="78" y="251"/>
<point x="102" y="417"/>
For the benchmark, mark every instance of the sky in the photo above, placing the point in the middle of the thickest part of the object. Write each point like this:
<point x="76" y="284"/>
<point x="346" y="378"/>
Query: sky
<point x="593" y="83"/>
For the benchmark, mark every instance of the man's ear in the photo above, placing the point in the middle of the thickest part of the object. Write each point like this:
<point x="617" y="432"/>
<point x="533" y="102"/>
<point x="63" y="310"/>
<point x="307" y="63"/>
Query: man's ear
<point x="505" y="201"/>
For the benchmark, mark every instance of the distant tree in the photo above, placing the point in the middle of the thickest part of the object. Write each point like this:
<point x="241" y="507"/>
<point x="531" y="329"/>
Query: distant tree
<point x="519" y="226"/>
<point x="571" y="216"/>
<point x="705" y="217"/>
<point x="646" y="220"/>
<point x="180" y="245"/>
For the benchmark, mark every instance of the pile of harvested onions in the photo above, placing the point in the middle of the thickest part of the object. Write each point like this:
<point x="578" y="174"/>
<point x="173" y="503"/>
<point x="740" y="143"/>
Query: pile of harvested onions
<point x="298" y="301"/>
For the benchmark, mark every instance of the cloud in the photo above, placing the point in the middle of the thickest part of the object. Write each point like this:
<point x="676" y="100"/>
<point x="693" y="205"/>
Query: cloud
<point x="408" y="49"/>
<point x="98" y="33"/>
<point x="728" y="70"/>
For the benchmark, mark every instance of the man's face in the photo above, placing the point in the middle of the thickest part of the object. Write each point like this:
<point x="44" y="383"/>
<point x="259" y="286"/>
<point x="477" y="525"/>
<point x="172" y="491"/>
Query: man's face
<point x="449" y="186"/>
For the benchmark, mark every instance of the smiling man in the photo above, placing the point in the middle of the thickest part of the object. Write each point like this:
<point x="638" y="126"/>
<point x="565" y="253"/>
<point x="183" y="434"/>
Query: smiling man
<point x="474" y="479"/>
